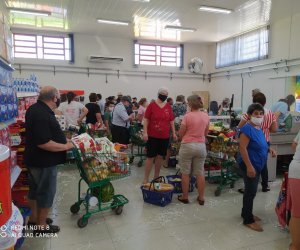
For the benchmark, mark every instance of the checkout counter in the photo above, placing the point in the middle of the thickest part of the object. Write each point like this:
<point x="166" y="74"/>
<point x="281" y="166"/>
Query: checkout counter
<point x="282" y="143"/>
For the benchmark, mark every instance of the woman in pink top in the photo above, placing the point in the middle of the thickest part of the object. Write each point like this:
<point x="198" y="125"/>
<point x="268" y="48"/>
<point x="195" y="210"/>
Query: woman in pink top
<point x="192" y="153"/>
<point x="142" y="109"/>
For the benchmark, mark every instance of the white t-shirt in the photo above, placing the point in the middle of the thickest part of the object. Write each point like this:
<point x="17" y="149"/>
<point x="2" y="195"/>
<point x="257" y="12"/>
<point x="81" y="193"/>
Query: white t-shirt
<point x="71" y="111"/>
<point x="294" y="169"/>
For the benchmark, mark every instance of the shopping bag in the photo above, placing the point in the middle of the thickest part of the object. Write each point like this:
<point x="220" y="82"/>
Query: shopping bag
<point x="281" y="205"/>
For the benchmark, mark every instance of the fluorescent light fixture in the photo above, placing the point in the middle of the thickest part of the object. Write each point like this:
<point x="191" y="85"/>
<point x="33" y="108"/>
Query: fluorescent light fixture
<point x="113" y="22"/>
<point x="30" y="12"/>
<point x="179" y="28"/>
<point x="142" y="1"/>
<point x="214" y="9"/>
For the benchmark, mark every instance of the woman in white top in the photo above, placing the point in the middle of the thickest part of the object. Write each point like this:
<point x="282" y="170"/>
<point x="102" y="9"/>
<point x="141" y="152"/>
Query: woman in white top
<point x="73" y="111"/>
<point x="294" y="194"/>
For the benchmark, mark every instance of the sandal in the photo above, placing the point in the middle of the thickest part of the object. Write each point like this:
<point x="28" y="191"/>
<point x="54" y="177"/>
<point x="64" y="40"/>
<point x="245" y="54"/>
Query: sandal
<point x="256" y="218"/>
<point x="201" y="202"/>
<point x="49" y="221"/>
<point x="184" y="201"/>
<point x="51" y="229"/>
<point x="241" y="190"/>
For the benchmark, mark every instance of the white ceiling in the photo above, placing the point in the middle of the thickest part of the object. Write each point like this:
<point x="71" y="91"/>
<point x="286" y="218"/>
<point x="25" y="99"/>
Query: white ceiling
<point x="80" y="16"/>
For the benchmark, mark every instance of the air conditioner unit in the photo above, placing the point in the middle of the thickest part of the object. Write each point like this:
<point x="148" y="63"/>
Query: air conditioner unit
<point x="103" y="59"/>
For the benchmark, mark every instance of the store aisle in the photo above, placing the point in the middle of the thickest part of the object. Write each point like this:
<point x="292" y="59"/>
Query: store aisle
<point x="216" y="226"/>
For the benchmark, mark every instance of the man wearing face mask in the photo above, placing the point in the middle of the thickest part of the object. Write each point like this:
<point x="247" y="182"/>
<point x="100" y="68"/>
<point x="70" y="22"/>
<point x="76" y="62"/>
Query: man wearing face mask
<point x="121" y="121"/>
<point x="268" y="125"/>
<point x="45" y="148"/>
<point x="158" y="121"/>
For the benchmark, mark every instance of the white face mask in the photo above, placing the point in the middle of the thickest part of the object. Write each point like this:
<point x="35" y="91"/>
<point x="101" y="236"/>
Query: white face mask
<point x="257" y="120"/>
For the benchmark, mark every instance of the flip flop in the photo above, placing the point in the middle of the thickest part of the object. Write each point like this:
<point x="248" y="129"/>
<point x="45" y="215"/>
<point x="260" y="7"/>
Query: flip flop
<point x="201" y="202"/>
<point x="184" y="201"/>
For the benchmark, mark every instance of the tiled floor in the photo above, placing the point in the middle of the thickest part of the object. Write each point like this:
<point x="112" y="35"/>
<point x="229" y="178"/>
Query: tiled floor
<point x="141" y="226"/>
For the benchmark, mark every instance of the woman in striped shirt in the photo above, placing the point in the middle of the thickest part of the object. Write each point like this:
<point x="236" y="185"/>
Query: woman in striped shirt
<point x="269" y="125"/>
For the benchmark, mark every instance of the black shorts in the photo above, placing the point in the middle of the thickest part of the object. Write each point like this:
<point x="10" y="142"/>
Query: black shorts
<point x="156" y="147"/>
<point x="120" y="134"/>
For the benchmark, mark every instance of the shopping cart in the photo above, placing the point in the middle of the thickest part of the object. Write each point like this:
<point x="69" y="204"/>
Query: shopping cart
<point x="97" y="171"/>
<point x="137" y="144"/>
<point x="221" y="163"/>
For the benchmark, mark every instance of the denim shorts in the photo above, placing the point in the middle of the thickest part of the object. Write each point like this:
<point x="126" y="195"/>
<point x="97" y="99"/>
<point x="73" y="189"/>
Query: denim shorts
<point x="42" y="185"/>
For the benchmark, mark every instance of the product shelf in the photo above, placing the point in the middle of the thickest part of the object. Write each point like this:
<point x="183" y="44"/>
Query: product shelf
<point x="5" y="124"/>
<point x="15" y="173"/>
<point x="27" y="94"/>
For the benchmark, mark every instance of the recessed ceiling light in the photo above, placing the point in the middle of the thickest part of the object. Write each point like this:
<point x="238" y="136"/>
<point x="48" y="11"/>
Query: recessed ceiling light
<point x="30" y="11"/>
<point x="116" y="22"/>
<point x="179" y="28"/>
<point x="214" y="9"/>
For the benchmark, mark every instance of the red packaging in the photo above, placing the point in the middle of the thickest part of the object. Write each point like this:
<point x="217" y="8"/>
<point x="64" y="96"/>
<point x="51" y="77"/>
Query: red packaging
<point x="5" y="194"/>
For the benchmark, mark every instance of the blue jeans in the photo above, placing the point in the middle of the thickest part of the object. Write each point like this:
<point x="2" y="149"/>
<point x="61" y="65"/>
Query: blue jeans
<point x="251" y="185"/>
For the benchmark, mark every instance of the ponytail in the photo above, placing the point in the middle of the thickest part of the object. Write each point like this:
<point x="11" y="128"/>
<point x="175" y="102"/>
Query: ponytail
<point x="70" y="97"/>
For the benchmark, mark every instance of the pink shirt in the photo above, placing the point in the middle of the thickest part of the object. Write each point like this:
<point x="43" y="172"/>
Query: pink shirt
<point x="141" y="110"/>
<point x="196" y="123"/>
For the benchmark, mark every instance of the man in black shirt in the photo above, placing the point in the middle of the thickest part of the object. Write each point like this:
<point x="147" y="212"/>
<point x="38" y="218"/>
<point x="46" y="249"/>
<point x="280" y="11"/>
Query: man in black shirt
<point x="46" y="147"/>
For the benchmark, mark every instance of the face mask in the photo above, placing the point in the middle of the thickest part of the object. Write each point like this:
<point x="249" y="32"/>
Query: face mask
<point x="162" y="97"/>
<point x="110" y="109"/>
<point x="57" y="103"/>
<point x="257" y="120"/>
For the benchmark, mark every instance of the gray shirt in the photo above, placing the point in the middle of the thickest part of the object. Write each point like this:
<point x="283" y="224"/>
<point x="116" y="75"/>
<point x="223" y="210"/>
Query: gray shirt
<point x="101" y="104"/>
<point x="120" y="116"/>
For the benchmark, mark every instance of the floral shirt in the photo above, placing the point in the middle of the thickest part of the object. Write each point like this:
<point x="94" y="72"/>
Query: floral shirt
<point x="179" y="109"/>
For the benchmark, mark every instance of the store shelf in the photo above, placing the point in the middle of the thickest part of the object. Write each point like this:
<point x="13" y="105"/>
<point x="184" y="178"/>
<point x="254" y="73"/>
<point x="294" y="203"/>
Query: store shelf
<point x="27" y="94"/>
<point x="5" y="65"/>
<point x="16" y="171"/>
<point x="7" y="123"/>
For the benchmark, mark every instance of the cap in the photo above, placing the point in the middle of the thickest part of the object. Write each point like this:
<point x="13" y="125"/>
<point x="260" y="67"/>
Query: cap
<point x="120" y="93"/>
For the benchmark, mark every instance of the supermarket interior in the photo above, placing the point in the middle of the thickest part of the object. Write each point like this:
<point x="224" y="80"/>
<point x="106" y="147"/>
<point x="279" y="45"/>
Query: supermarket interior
<point x="149" y="124"/>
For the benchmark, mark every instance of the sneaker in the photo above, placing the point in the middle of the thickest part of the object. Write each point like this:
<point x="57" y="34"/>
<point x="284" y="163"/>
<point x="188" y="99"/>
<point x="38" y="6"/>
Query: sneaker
<point x="265" y="189"/>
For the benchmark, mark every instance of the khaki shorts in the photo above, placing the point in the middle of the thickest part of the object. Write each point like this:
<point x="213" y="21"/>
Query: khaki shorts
<point x="192" y="158"/>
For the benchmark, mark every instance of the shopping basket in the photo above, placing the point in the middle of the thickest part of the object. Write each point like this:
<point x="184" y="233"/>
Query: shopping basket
<point x="156" y="197"/>
<point x="175" y="180"/>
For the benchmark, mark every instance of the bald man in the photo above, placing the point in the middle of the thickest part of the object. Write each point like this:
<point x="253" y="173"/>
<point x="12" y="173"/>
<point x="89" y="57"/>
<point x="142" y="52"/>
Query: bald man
<point x="45" y="148"/>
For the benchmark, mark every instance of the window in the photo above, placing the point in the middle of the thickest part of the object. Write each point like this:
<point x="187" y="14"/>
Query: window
<point x="249" y="47"/>
<point x="42" y="47"/>
<point x="158" y="55"/>
<point x="154" y="29"/>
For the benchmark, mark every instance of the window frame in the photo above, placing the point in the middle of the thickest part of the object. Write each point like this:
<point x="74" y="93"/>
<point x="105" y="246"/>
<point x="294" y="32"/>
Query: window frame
<point x="158" y="59"/>
<point x="41" y="49"/>
<point x="237" y="50"/>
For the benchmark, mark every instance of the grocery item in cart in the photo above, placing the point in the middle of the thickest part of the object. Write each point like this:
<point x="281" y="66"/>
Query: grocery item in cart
<point x="86" y="144"/>
<point x="105" y="145"/>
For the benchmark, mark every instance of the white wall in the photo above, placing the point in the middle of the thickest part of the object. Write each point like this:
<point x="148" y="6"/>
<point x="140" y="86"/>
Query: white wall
<point x="134" y="85"/>
<point x="284" y="44"/>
